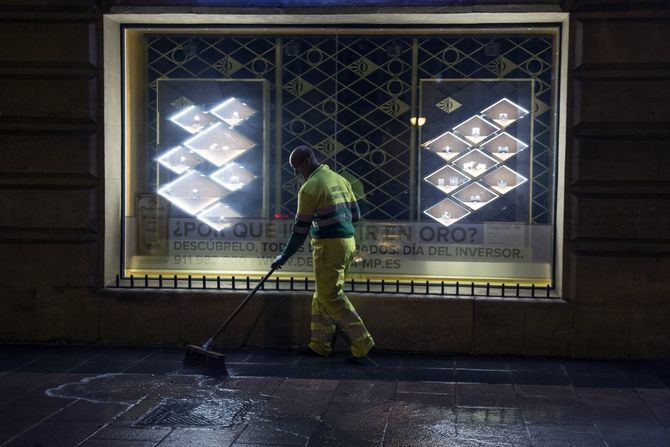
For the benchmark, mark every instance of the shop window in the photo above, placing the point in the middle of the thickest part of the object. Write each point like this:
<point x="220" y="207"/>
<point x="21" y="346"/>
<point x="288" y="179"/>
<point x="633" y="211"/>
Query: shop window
<point x="448" y="137"/>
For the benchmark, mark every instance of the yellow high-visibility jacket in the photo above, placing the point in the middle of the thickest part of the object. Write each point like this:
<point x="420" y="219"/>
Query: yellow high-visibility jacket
<point x="327" y="205"/>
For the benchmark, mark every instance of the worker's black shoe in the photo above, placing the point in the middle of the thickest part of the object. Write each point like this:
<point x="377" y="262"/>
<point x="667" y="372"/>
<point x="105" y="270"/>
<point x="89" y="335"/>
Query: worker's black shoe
<point x="361" y="361"/>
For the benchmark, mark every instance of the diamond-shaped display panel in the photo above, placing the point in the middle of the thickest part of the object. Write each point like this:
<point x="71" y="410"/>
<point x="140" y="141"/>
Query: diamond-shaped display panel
<point x="447" y="179"/>
<point x="475" y="196"/>
<point x="475" y="163"/>
<point x="192" y="119"/>
<point x="447" y="212"/>
<point x="504" y="112"/>
<point x="476" y="129"/>
<point x="503" y="180"/>
<point x="448" y="145"/>
<point x="219" y="145"/>
<point x="218" y="216"/>
<point x="233" y="176"/>
<point x="504" y="146"/>
<point x="233" y="111"/>
<point x="193" y="192"/>
<point x="179" y="160"/>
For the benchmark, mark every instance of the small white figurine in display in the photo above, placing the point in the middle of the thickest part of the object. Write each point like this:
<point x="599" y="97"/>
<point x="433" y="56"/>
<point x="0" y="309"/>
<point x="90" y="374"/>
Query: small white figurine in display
<point x="225" y="148"/>
<point x="469" y="165"/>
<point x="182" y="159"/>
<point x="475" y="198"/>
<point x="447" y="148"/>
<point x="234" y="179"/>
<point x="502" y="183"/>
<point x="453" y="180"/>
<point x="446" y="215"/>
<point x="475" y="132"/>
<point x="503" y="149"/>
<point x="481" y="167"/>
<point x="196" y="193"/>
<point x="196" y="122"/>
<point x="440" y="181"/>
<point x="502" y="116"/>
<point x="213" y="146"/>
<point x="222" y="219"/>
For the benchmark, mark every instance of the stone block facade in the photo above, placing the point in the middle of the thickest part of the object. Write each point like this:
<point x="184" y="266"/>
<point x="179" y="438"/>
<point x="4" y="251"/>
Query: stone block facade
<point x="616" y="242"/>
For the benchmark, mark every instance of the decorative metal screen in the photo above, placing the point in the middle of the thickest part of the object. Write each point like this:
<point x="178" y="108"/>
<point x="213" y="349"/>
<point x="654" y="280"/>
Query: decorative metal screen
<point x="351" y="98"/>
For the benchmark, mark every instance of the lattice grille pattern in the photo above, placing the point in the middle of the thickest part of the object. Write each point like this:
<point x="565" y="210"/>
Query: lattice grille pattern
<point x="350" y="97"/>
<point x="351" y="101"/>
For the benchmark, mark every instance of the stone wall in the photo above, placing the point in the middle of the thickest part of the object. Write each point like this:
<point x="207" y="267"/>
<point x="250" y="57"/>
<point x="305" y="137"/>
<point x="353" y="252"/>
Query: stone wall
<point x="617" y="205"/>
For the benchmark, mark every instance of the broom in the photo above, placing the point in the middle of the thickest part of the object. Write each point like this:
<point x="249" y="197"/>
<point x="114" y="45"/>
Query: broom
<point x="203" y="354"/>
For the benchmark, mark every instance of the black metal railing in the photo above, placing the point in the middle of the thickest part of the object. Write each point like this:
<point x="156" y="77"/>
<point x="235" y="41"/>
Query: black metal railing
<point x="295" y="284"/>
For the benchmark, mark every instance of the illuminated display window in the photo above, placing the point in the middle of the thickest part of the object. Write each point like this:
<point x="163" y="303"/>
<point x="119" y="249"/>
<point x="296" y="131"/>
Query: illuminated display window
<point x="447" y="136"/>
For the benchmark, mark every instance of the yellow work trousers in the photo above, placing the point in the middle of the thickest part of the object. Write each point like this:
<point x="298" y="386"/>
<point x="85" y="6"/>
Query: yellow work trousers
<point x="330" y="306"/>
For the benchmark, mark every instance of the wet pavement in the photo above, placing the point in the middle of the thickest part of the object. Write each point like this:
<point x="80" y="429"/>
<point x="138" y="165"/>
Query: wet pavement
<point x="80" y="396"/>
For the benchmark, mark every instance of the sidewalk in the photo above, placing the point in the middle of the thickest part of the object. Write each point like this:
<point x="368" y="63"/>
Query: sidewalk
<point x="73" y="396"/>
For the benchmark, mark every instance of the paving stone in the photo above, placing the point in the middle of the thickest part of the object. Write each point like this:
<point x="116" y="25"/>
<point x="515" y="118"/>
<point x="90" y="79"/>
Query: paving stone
<point x="278" y="357"/>
<point x="493" y="434"/>
<point x="553" y="410"/>
<point x="565" y="435"/>
<point x="535" y="364"/>
<point x="149" y="366"/>
<point x="307" y="403"/>
<point x="486" y="395"/>
<point x="124" y="433"/>
<point x="39" y="399"/>
<point x="644" y="379"/>
<point x="540" y="378"/>
<point x="606" y="405"/>
<point x="416" y="361"/>
<point x="624" y="434"/>
<point x="55" y="434"/>
<point x="420" y="423"/>
<point x="488" y="416"/>
<point x="352" y="424"/>
<point x="426" y="387"/>
<point x="197" y="437"/>
<point x="610" y="379"/>
<point x="266" y="385"/>
<point x="481" y="363"/>
<point x="116" y="443"/>
<point x="260" y="370"/>
<point x="103" y="366"/>
<point x="357" y="391"/>
<point x="19" y="382"/>
<point x="481" y="376"/>
<point x="658" y="402"/>
<point x="426" y="374"/>
<point x="544" y="390"/>
<point x="62" y="360"/>
<point x="426" y="399"/>
<point x="265" y="433"/>
<point x="13" y="419"/>
<point x="83" y="411"/>
<point x="309" y="384"/>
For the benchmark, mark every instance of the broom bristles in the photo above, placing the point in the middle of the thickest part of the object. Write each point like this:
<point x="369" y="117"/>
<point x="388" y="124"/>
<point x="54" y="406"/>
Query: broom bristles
<point x="196" y="355"/>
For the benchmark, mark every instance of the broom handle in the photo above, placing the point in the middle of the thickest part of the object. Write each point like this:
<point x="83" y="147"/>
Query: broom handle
<point x="209" y="342"/>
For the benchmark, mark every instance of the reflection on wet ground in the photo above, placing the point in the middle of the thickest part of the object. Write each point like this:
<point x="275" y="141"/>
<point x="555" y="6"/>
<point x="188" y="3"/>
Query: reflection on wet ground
<point x="69" y="396"/>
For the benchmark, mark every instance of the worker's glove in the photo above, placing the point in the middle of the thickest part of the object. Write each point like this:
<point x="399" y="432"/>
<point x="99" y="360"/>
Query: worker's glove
<point x="278" y="262"/>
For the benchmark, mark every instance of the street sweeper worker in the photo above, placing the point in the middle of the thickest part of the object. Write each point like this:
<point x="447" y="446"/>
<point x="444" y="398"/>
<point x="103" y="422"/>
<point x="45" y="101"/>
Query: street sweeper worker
<point x="327" y="209"/>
